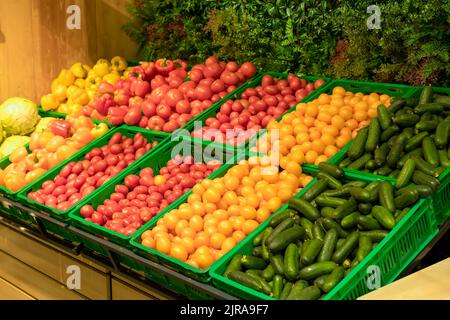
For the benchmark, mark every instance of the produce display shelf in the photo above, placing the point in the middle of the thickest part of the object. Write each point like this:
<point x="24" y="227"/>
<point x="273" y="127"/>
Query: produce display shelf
<point x="193" y="289"/>
<point x="389" y="257"/>
<point x="252" y="83"/>
<point x="440" y="198"/>
<point x="179" y="266"/>
<point x="51" y="174"/>
<point x="155" y="160"/>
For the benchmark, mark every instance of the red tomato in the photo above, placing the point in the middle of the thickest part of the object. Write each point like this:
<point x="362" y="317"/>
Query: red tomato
<point x="196" y="75"/>
<point x="163" y="110"/>
<point x="203" y="92"/>
<point x="248" y="69"/>
<point x="229" y="78"/>
<point x="267" y="80"/>
<point x="212" y="70"/>
<point x="173" y="96"/>
<point x="211" y="60"/>
<point x="183" y="106"/>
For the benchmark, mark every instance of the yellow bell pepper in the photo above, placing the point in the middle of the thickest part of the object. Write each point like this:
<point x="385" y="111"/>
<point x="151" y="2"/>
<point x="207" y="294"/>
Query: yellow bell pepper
<point x="86" y="68"/>
<point x="91" y="94"/>
<point x="74" y="108"/>
<point x="118" y="63"/>
<point x="78" y="71"/>
<point x="112" y="77"/>
<point x="63" y="108"/>
<point x="78" y="96"/>
<point x="66" y="77"/>
<point x="80" y="83"/>
<point x="101" y="69"/>
<point x="55" y="83"/>
<point x="60" y="92"/>
<point x="49" y="102"/>
<point x="99" y="130"/>
<point x="92" y="83"/>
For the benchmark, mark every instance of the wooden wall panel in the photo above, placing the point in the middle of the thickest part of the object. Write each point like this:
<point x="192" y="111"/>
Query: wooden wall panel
<point x="35" y="43"/>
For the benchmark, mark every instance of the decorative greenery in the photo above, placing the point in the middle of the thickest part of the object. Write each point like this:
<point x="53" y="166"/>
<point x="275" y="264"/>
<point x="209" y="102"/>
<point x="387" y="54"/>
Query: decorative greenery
<point x="312" y="37"/>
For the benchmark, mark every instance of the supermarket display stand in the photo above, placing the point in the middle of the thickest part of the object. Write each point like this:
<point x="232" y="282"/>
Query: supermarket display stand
<point x="111" y="262"/>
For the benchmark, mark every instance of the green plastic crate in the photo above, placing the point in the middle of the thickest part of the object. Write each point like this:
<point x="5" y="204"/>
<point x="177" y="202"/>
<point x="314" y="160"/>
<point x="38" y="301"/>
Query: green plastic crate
<point x="51" y="174"/>
<point x="391" y="255"/>
<point x="154" y="255"/>
<point x="156" y="161"/>
<point x="252" y="83"/>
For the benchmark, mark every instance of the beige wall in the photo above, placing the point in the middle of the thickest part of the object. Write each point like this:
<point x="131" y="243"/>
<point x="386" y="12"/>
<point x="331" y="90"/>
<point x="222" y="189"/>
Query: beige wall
<point x="35" y="43"/>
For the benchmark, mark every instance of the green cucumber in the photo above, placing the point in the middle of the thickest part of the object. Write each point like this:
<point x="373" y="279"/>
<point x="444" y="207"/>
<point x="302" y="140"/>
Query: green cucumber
<point x="284" y="225"/>
<point x="432" y="107"/>
<point x="304" y="207"/>
<point x="426" y="95"/>
<point x="384" y="217"/>
<point x="373" y="135"/>
<point x="371" y="165"/>
<point x="424" y="166"/>
<point x="441" y="135"/>
<point x="266" y="288"/>
<point x="333" y="279"/>
<point x="443" y="158"/>
<point x="360" y="162"/>
<point x="314" y="190"/>
<point x="360" y="194"/>
<point x="329" y="244"/>
<point x="383" y="171"/>
<point x="394" y="174"/>
<point x="317" y="232"/>
<point x="331" y="224"/>
<point x="427" y="125"/>
<point x="344" y="163"/>
<point x="331" y="169"/>
<point x="395" y="153"/>
<point x="316" y="270"/>
<point x="286" y="290"/>
<point x="257" y="251"/>
<point x="356" y="149"/>
<point x="430" y="152"/>
<point x="350" y="221"/>
<point x="406" y="120"/>
<point x="277" y="287"/>
<point x="251" y="262"/>
<point x="396" y="104"/>
<point x="345" y="209"/>
<point x="408" y="132"/>
<point x="339" y="243"/>
<point x="234" y="265"/>
<point x="246" y="280"/>
<point x="277" y="263"/>
<point x="406" y="199"/>
<point x="364" y="247"/>
<point x="310" y="253"/>
<point x="307" y="225"/>
<point x="319" y="281"/>
<point x="283" y="239"/>
<point x="416" y="141"/>
<point x="405" y="174"/>
<point x="326" y="201"/>
<point x="420" y="177"/>
<point x="268" y="273"/>
<point x="265" y="251"/>
<point x="327" y="212"/>
<point x="375" y="235"/>
<point x="366" y="208"/>
<point x="380" y="154"/>
<point x="309" y="293"/>
<point x="368" y="222"/>
<point x="280" y="217"/>
<point x="332" y="182"/>
<point x="416" y="152"/>
<point x="350" y="243"/>
<point x="389" y="133"/>
<point x="386" y="196"/>
<point x="384" y="117"/>
<point x="291" y="260"/>
<point x="296" y="289"/>
<point x="423" y="190"/>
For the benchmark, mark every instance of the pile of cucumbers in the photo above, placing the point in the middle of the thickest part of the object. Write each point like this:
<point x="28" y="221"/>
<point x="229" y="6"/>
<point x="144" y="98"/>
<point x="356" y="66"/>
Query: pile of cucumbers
<point x="307" y="249"/>
<point x="408" y="142"/>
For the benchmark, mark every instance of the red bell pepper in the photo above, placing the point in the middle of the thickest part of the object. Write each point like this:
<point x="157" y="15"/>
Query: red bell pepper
<point x="164" y="66"/>
<point x="60" y="128"/>
<point x="180" y="64"/>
